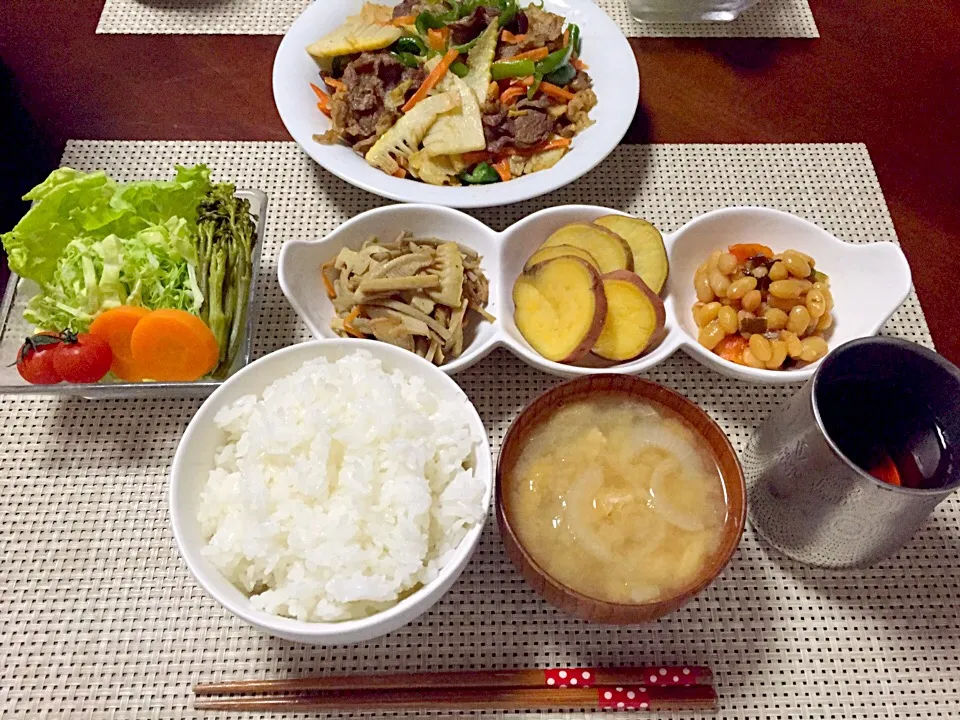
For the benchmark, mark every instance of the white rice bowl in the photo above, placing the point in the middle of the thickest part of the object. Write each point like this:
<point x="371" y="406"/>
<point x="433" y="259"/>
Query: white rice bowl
<point x="340" y="490"/>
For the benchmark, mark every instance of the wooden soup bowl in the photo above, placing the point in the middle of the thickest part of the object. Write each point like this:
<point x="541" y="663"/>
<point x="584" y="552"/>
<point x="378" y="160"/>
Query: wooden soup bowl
<point x="566" y="598"/>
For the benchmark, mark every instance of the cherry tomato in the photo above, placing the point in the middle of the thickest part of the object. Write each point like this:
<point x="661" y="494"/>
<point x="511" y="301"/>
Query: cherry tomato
<point x="35" y="359"/>
<point x="82" y="358"/>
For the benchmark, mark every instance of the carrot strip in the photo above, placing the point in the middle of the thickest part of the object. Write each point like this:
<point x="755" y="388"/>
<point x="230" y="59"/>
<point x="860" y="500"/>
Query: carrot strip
<point x="566" y="36"/>
<point x="557" y="92"/>
<point x="327" y="285"/>
<point x="533" y="149"/>
<point x="435" y="76"/>
<point x="552" y="144"/>
<point x="509" y="37"/>
<point x="510" y="95"/>
<point x="354" y="314"/>
<point x="503" y="170"/>
<point x="477" y="156"/>
<point x="437" y="38"/>
<point x="334" y="83"/>
<point x="399" y="173"/>
<point x="324" y="109"/>
<point x="579" y="64"/>
<point x="537" y="54"/>
<point x="324" y="98"/>
<point x="404" y="20"/>
<point x="525" y="81"/>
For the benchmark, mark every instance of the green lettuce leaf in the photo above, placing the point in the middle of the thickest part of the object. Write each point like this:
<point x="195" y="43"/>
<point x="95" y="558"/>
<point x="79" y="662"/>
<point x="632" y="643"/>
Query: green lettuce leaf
<point x="91" y="244"/>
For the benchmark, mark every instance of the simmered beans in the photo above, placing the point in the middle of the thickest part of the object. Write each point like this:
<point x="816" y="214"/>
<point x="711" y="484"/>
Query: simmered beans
<point x="762" y="309"/>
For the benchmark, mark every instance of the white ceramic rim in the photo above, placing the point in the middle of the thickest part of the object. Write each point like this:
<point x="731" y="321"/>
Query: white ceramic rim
<point x="606" y="50"/>
<point x="326" y="631"/>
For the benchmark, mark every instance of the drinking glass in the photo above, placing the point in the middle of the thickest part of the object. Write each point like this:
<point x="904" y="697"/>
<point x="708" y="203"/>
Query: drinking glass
<point x="687" y="10"/>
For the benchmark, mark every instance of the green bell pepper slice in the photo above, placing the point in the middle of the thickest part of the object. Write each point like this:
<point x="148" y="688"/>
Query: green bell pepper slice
<point x="512" y="69"/>
<point x="483" y="174"/>
<point x="562" y="75"/>
<point x="410" y="44"/>
<point x="561" y="57"/>
<point x="407" y="59"/>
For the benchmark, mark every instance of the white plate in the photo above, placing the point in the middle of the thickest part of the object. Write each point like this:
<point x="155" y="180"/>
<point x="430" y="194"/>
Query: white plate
<point x="869" y="281"/>
<point x="606" y="51"/>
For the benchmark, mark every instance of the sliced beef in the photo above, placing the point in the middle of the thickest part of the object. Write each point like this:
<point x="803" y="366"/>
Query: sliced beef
<point x="408" y="7"/>
<point x="531" y="128"/>
<point x="524" y="129"/>
<point x="581" y="82"/>
<point x="543" y="28"/>
<point x="363" y="109"/>
<point x="540" y="102"/>
<point x="464" y="30"/>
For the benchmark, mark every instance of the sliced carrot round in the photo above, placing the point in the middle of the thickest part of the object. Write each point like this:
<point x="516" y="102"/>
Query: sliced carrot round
<point x="173" y="346"/>
<point x="115" y="326"/>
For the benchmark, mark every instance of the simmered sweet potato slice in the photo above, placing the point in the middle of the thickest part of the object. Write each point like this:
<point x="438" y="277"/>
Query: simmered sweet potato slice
<point x="559" y="308"/>
<point x="555" y="251"/>
<point x="609" y="249"/>
<point x="635" y="317"/>
<point x="646" y="245"/>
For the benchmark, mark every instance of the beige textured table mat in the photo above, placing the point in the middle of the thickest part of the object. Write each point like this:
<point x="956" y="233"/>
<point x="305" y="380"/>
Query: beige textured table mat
<point x="771" y="18"/>
<point x="99" y="618"/>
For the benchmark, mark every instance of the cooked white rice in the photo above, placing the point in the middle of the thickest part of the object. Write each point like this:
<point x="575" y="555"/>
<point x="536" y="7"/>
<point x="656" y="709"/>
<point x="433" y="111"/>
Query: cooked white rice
<point x="340" y="490"/>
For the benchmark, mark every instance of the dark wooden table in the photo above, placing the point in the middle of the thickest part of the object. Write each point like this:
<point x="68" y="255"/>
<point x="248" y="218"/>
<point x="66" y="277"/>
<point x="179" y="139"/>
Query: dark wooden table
<point x="883" y="73"/>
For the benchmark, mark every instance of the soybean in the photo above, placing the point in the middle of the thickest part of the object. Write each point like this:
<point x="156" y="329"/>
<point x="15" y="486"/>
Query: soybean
<point x="719" y="283"/>
<point x="786" y="289"/>
<point x="705" y="313"/>
<point x="711" y="335"/>
<point x="761" y="348"/>
<point x="799" y="320"/>
<point x="795" y="264"/>
<point x="740" y="287"/>
<point x="814" y="348"/>
<point x="776" y="319"/>
<point x="751" y="301"/>
<point x="778" y="350"/>
<point x="727" y="263"/>
<point x="728" y="320"/>
<point x="702" y="284"/>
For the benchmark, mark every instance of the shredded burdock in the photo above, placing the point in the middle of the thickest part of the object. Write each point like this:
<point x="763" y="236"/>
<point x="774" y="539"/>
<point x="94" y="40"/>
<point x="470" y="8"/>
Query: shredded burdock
<point x="413" y="293"/>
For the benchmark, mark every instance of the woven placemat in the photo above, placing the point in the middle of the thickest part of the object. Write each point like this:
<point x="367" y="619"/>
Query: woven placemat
<point x="100" y="619"/>
<point x="771" y="18"/>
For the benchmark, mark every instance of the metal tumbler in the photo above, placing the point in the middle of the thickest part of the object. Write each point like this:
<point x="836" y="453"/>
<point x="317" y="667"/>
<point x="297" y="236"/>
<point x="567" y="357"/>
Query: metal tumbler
<point x="809" y="499"/>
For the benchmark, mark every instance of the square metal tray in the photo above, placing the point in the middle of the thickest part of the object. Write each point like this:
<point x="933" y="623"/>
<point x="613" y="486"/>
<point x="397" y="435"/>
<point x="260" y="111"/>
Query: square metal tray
<point x="13" y="329"/>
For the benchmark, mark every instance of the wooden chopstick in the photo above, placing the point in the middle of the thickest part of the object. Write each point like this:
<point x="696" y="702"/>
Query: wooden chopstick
<point x="693" y="697"/>
<point x="658" y="675"/>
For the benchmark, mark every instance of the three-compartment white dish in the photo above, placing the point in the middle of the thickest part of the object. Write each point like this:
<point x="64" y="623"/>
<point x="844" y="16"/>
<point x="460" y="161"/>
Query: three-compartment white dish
<point x="869" y="281"/>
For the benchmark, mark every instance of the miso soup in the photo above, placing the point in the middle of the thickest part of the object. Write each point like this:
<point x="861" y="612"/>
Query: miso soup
<point x="618" y="499"/>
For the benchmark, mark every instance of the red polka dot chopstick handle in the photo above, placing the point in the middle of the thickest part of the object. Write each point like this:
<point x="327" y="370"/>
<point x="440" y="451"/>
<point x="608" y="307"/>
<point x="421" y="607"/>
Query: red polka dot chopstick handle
<point x="643" y="697"/>
<point x="655" y="676"/>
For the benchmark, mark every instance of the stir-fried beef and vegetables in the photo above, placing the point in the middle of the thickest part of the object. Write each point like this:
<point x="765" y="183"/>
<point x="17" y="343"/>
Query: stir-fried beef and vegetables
<point x="415" y="293"/>
<point x="452" y="93"/>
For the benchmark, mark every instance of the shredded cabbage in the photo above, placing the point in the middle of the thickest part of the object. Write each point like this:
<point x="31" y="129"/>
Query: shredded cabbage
<point x="91" y="244"/>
